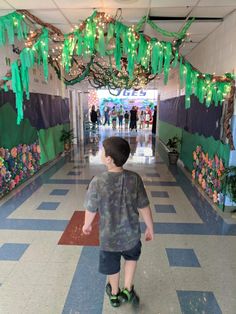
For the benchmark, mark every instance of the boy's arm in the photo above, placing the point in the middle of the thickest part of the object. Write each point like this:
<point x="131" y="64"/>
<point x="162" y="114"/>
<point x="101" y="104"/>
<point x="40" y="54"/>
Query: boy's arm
<point x="89" y="217"/>
<point x="147" y="217"/>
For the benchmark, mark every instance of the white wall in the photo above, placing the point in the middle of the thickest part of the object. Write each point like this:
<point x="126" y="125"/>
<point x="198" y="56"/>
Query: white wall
<point x="171" y="89"/>
<point x="217" y="53"/>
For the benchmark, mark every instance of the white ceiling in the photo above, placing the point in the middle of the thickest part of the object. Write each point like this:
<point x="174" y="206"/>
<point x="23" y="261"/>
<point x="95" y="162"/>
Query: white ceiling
<point x="66" y="13"/>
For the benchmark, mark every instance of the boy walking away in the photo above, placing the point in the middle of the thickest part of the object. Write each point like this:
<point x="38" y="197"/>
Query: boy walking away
<point x="119" y="196"/>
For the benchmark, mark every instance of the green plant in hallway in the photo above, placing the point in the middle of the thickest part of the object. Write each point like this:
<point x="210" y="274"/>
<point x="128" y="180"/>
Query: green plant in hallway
<point x="228" y="180"/>
<point x="173" y="153"/>
<point x="67" y="137"/>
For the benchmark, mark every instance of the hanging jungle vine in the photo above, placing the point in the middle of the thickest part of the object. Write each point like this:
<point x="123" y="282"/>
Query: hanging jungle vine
<point x="108" y="53"/>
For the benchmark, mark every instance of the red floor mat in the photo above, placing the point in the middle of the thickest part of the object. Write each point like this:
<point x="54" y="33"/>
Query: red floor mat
<point x="73" y="234"/>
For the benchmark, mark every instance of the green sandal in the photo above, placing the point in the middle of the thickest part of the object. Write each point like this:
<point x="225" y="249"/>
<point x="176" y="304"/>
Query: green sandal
<point x="114" y="298"/>
<point x="129" y="296"/>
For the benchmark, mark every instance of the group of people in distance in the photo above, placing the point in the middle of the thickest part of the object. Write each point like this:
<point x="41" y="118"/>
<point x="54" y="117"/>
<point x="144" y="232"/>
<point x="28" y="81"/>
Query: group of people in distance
<point x="131" y="120"/>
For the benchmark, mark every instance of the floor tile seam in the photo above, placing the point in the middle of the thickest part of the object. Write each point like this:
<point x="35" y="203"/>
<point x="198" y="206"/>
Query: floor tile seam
<point x="178" y="225"/>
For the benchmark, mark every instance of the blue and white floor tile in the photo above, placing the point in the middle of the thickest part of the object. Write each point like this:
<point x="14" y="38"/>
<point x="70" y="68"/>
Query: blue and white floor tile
<point x="189" y="268"/>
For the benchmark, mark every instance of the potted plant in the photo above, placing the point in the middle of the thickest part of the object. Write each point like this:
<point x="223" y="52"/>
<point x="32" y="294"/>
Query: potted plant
<point x="67" y="138"/>
<point x="228" y="181"/>
<point x="173" y="153"/>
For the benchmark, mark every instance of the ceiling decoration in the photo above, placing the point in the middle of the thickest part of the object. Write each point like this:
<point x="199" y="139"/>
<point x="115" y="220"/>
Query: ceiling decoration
<point x="106" y="52"/>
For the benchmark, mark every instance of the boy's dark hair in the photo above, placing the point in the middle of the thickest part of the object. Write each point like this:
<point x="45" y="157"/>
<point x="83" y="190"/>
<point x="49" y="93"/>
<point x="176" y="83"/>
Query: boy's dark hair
<point x="118" y="149"/>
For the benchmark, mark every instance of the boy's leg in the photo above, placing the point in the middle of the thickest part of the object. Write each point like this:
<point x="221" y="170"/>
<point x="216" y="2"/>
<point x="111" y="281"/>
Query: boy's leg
<point x="131" y="257"/>
<point x="114" y="282"/>
<point x="130" y="267"/>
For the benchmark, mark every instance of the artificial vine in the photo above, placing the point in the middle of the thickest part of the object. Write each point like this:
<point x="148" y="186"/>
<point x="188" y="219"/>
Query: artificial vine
<point x="134" y="59"/>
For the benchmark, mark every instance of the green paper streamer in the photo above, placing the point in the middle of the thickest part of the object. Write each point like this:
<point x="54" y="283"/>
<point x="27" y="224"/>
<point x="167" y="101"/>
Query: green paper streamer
<point x="175" y="62"/>
<point x="181" y="73"/>
<point x="101" y="42"/>
<point x="168" y="54"/>
<point x="161" y="57"/>
<point x="166" y="33"/>
<point x="155" y="56"/>
<point x="117" y="51"/>
<point x="17" y="89"/>
<point x="89" y="35"/>
<point x="12" y="24"/>
<point x="188" y="85"/>
<point x="142" y="48"/>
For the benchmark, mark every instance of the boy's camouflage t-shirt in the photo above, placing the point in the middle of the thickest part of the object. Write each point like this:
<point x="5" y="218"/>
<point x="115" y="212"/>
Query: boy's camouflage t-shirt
<point x="117" y="197"/>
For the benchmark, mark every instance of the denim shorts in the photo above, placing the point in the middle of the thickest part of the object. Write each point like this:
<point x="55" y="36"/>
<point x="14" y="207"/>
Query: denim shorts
<point x="109" y="262"/>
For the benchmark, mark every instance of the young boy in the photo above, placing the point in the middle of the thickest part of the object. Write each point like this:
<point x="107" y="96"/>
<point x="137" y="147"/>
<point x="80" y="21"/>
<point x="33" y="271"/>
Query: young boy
<point x="119" y="196"/>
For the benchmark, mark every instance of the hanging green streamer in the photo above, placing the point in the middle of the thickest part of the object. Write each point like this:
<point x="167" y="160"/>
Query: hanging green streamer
<point x="132" y="51"/>
<point x="2" y="34"/>
<point x="161" y="57"/>
<point x="12" y="24"/>
<point x="89" y="35"/>
<point x="17" y="89"/>
<point x="142" y="48"/>
<point x="166" y="33"/>
<point x="66" y="55"/>
<point x="125" y="33"/>
<point x="101" y="42"/>
<point x="175" y="62"/>
<point x="155" y="56"/>
<point x="208" y="98"/>
<point x="117" y="51"/>
<point x="181" y="73"/>
<point x="201" y="91"/>
<point x="27" y="62"/>
<point x="168" y="54"/>
<point x="43" y="52"/>
<point x="188" y="85"/>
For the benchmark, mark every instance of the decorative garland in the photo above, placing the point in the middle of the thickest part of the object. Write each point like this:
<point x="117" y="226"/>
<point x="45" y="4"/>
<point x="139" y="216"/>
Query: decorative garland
<point x="101" y="35"/>
<point x="12" y="24"/>
<point x="166" y="33"/>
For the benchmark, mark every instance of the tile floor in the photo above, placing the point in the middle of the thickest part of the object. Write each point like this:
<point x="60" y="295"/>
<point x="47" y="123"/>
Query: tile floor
<point x="189" y="268"/>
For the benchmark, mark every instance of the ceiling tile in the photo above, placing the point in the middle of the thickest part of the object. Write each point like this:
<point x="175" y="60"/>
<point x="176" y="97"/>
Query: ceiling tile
<point x="175" y="11"/>
<point x="196" y="37"/>
<point x="173" y="3"/>
<point x="75" y="4"/>
<point x="217" y="3"/>
<point x="132" y="15"/>
<point x="4" y="5"/>
<point x="212" y="11"/>
<point x="171" y="26"/>
<point x="65" y="28"/>
<point x="5" y="12"/>
<point x="125" y="3"/>
<point x="77" y="15"/>
<point x="198" y="27"/>
<point x="28" y="5"/>
<point x="50" y="16"/>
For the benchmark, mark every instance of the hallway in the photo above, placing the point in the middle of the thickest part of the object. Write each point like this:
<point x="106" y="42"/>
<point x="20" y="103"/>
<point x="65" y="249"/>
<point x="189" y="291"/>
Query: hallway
<point x="190" y="267"/>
